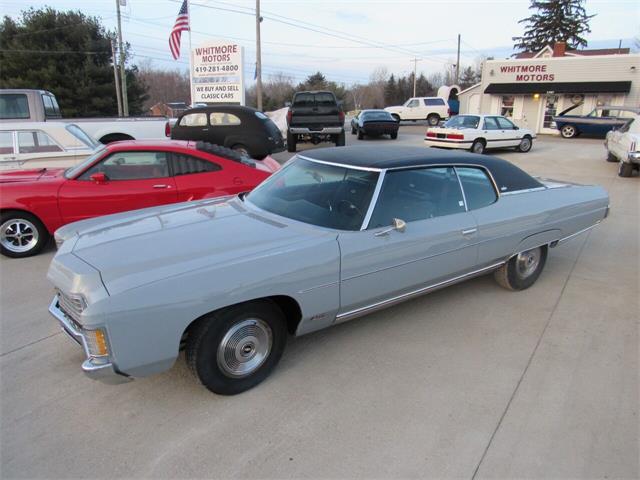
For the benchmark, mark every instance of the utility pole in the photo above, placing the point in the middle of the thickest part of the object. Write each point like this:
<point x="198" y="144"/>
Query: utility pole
<point x="458" y="62"/>
<point x="415" y="68"/>
<point x="115" y="77"/>
<point x="258" y="58"/>
<point x="123" y="74"/>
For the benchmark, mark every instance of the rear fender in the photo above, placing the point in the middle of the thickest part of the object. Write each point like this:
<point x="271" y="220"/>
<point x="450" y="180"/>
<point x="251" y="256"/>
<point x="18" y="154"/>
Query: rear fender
<point x="538" y="239"/>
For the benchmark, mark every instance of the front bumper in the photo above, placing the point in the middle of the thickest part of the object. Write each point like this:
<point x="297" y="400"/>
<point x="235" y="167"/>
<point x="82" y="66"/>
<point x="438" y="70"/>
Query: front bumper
<point x="93" y="367"/>
<point x="633" y="157"/>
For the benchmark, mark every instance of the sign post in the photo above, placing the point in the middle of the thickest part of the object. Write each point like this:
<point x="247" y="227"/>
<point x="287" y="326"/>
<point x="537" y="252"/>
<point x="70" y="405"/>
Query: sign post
<point x="217" y="73"/>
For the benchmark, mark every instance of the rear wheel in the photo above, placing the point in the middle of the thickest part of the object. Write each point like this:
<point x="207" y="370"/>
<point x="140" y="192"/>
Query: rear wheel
<point x="568" y="131"/>
<point x="625" y="169"/>
<point x="522" y="270"/>
<point x="394" y="135"/>
<point x="340" y="139"/>
<point x="236" y="348"/>
<point x="478" y="146"/>
<point x="433" y="119"/>
<point x="611" y="157"/>
<point x="291" y="142"/>
<point x="21" y="234"/>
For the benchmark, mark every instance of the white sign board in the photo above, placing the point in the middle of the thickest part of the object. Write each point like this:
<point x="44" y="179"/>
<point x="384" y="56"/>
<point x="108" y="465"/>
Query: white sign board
<point x="217" y="73"/>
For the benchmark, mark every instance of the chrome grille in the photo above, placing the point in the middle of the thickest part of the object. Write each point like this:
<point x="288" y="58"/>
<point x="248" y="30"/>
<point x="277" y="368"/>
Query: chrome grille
<point x="70" y="305"/>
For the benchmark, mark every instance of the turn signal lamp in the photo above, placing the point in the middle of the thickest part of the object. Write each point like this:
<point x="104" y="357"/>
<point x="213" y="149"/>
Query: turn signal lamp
<point x="97" y="342"/>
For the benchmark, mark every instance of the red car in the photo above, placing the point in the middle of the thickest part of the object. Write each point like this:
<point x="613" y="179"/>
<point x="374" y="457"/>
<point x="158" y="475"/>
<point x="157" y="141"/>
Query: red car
<point x="120" y="176"/>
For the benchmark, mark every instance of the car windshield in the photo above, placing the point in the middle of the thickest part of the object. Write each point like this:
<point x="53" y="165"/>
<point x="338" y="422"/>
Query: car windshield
<point x="324" y="195"/>
<point x="73" y="171"/>
<point x="463" y="121"/>
<point x="376" y="116"/>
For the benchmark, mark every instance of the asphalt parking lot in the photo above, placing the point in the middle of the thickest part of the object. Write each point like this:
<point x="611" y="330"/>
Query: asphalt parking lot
<point x="470" y="381"/>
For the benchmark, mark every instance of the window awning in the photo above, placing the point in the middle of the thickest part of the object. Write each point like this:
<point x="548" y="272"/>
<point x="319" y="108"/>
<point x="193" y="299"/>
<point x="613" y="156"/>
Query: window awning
<point x="559" y="87"/>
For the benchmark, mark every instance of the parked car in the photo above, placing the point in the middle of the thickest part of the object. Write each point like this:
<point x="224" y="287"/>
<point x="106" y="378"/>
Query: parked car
<point x="374" y="123"/>
<point x="25" y="105"/>
<point x="431" y="109"/>
<point x="596" y="123"/>
<point x="243" y="129"/>
<point x="43" y="144"/>
<point x="118" y="177"/>
<point x="479" y="133"/>
<point x="314" y="117"/>
<point x="336" y="234"/>
<point x="623" y="146"/>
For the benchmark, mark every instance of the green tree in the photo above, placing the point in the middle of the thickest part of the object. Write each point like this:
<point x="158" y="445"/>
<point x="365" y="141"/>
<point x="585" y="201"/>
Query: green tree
<point x="554" y="21"/>
<point x="468" y="78"/>
<point x="390" y="91"/>
<point x="69" y="54"/>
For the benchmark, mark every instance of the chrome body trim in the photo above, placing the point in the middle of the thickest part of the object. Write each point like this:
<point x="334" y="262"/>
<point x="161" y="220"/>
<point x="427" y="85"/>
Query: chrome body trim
<point x="374" y="201"/>
<point x="569" y="237"/>
<point x="358" y="312"/>
<point x="96" y="368"/>
<point x="341" y="165"/>
<point x="464" y="196"/>
<point x="526" y="190"/>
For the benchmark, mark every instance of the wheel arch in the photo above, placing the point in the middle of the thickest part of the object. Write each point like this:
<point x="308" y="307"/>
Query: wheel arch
<point x="289" y="306"/>
<point x="5" y="210"/>
<point x="541" y="239"/>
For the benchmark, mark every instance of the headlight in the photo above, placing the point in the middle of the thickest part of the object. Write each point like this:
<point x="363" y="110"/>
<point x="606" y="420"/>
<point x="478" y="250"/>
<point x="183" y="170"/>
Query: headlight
<point x="97" y="342"/>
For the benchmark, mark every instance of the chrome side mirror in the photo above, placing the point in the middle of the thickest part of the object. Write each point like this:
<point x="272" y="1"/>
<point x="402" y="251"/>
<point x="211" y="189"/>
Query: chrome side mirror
<point x="396" y="224"/>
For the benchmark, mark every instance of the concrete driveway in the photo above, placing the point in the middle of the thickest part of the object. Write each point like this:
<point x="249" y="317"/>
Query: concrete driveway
<point x="470" y="381"/>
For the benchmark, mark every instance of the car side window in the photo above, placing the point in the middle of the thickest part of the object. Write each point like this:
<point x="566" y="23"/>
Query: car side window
<point x="14" y="106"/>
<point x="505" y="124"/>
<point x="223" y="119"/>
<point x="36" y="142"/>
<point x="194" y="120"/>
<point x="413" y="103"/>
<point x="433" y="102"/>
<point x="478" y="188"/>
<point x="131" y="166"/>
<point x="490" y="123"/>
<point x="186" y="164"/>
<point x="417" y="194"/>
<point x="6" y="143"/>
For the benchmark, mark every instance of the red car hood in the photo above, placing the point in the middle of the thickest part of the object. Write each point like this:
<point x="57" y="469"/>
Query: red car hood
<point x="32" y="175"/>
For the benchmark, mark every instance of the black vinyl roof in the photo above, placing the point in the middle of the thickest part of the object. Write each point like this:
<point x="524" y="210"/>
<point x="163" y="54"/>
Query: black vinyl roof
<point x="508" y="177"/>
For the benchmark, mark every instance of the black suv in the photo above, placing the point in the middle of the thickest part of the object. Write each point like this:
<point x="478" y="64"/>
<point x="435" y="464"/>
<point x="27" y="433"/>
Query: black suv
<point x="314" y="117"/>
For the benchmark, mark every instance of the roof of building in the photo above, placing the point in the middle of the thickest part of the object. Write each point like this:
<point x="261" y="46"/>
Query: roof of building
<point x="508" y="177"/>
<point x="580" y="53"/>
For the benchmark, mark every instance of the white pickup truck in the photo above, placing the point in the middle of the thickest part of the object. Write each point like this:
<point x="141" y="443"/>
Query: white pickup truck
<point x="24" y="105"/>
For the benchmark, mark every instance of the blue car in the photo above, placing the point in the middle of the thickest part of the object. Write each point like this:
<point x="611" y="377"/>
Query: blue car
<point x="596" y="123"/>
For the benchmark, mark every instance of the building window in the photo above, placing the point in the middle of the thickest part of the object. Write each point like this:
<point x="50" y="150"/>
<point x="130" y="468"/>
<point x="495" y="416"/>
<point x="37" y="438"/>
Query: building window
<point x="507" y="106"/>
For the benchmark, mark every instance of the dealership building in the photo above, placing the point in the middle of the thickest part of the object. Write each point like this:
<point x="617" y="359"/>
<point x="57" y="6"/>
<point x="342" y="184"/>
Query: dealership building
<point x="531" y="88"/>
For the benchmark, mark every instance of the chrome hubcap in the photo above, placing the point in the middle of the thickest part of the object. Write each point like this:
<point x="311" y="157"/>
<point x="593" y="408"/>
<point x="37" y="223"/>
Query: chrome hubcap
<point x="527" y="262"/>
<point x="245" y="347"/>
<point x="18" y="235"/>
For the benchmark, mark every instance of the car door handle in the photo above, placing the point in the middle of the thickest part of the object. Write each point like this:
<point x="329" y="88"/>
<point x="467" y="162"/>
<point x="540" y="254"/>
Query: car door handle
<point x="161" y="186"/>
<point x="469" y="231"/>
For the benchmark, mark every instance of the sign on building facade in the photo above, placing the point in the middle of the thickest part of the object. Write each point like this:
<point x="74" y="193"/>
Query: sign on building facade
<point x="217" y="72"/>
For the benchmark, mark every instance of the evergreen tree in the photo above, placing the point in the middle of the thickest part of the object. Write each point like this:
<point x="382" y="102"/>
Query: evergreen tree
<point x="468" y="78"/>
<point x="554" y="21"/>
<point x="390" y="95"/>
<point x="68" y="54"/>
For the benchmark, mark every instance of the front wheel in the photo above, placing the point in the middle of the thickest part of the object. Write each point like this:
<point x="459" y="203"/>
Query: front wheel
<point x="568" y="131"/>
<point x="360" y="134"/>
<point x="21" y="235"/>
<point x="236" y="348"/>
<point x="522" y="270"/>
<point x="353" y="130"/>
<point x="525" y="144"/>
<point x="625" y="169"/>
<point x="340" y="140"/>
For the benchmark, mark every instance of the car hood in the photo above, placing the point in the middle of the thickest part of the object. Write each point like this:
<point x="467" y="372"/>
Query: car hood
<point x="395" y="108"/>
<point x="13" y="176"/>
<point x="136" y="248"/>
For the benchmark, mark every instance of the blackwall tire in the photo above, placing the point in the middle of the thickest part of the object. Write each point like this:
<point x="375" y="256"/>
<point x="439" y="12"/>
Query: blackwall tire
<point x="360" y="134"/>
<point x="21" y="234"/>
<point x="611" y="158"/>
<point x="341" y="140"/>
<point x="625" y="169"/>
<point x="525" y="144"/>
<point x="291" y="142"/>
<point x="568" y="131"/>
<point x="433" y="119"/>
<point x="478" y="146"/>
<point x="234" y="349"/>
<point x="522" y="270"/>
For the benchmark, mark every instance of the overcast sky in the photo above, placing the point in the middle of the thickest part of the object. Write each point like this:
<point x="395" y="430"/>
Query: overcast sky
<point x="402" y="29"/>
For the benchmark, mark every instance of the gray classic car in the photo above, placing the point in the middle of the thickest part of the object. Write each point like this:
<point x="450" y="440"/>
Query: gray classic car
<point x="336" y="234"/>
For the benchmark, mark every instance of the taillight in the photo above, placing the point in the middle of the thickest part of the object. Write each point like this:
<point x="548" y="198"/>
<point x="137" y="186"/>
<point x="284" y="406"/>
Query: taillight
<point x="455" y="136"/>
<point x="341" y="116"/>
<point x="167" y="130"/>
<point x="289" y="115"/>
<point x="431" y="134"/>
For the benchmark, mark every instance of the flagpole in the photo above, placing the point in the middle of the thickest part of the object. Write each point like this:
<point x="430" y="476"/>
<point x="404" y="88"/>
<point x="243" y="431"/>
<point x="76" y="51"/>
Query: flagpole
<point x="190" y="56"/>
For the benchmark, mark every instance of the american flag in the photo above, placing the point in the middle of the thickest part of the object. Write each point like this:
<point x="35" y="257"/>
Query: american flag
<point x="182" y="23"/>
